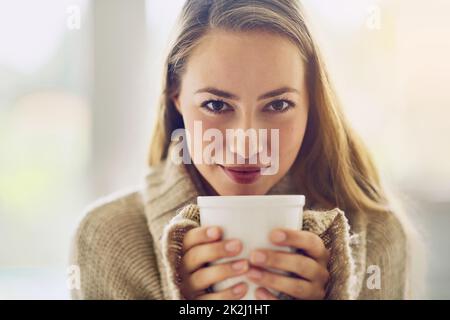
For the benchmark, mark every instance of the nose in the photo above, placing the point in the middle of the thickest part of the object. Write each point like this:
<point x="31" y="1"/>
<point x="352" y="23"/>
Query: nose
<point x="244" y="140"/>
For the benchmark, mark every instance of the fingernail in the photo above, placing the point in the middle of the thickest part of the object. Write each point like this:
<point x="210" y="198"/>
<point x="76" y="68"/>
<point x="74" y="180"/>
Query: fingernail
<point x="212" y="232"/>
<point x="255" y="274"/>
<point x="239" y="289"/>
<point x="278" y="236"/>
<point x="258" y="257"/>
<point x="232" y="245"/>
<point x="239" y="265"/>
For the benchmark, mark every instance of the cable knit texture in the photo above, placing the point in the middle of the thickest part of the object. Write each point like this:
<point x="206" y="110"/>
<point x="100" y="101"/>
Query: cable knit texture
<point x="129" y="245"/>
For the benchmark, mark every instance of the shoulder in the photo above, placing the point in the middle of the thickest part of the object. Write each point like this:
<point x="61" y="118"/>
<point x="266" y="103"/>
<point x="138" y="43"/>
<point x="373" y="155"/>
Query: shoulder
<point x="386" y="236"/>
<point x="400" y="244"/>
<point x="387" y="230"/>
<point x="388" y="251"/>
<point x="112" y="213"/>
<point x="113" y="249"/>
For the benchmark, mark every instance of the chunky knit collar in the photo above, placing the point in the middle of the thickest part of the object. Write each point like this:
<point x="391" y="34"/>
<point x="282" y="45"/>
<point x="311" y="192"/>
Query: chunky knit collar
<point x="121" y="257"/>
<point x="184" y="184"/>
<point x="171" y="188"/>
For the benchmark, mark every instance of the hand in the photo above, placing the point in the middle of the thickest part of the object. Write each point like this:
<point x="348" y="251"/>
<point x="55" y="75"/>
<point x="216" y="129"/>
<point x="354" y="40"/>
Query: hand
<point x="201" y="246"/>
<point x="310" y="269"/>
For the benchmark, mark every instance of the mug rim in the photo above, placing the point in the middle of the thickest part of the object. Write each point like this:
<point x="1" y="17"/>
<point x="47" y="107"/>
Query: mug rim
<point x="251" y="200"/>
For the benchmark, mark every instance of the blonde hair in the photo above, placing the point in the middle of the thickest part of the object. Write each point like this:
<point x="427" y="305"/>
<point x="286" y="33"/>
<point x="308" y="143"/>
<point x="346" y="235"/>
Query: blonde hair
<point x="333" y="164"/>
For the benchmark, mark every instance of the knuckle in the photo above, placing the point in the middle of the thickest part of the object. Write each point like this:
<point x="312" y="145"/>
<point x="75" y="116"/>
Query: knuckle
<point x="296" y="292"/>
<point x="319" y="243"/>
<point x="316" y="292"/>
<point x="303" y="237"/>
<point x="302" y="289"/>
<point x="192" y="257"/>
<point x="326" y="275"/>
<point x="207" y="253"/>
<point x="321" y="293"/>
<point x="190" y="237"/>
<point x="186" y="260"/>
<point x="217" y="250"/>
<point x="218" y="273"/>
<point x="300" y="265"/>
<point x="208" y="275"/>
<point x="318" y="274"/>
<point x="315" y="242"/>
<point x="198" y="256"/>
<point x="326" y="256"/>
<point x="195" y="278"/>
<point x="228" y="271"/>
<point x="267" y="277"/>
<point x="325" y="282"/>
<point x="186" y="240"/>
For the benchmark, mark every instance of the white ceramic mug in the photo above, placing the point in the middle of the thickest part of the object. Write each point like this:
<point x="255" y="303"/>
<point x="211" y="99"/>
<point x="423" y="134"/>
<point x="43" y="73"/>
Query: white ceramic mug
<point x="250" y="219"/>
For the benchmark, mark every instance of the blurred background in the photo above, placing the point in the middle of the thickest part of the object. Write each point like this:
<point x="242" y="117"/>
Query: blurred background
<point x="78" y="84"/>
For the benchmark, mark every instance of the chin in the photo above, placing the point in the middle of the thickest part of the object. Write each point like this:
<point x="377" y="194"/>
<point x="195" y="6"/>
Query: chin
<point x="225" y="186"/>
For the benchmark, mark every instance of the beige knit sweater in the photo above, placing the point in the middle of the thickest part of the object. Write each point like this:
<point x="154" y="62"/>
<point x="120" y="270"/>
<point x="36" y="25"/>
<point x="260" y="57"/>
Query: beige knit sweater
<point x="128" y="246"/>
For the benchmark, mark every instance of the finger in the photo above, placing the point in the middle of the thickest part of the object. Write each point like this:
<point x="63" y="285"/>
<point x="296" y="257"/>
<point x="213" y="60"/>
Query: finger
<point x="201" y="235"/>
<point x="199" y="255"/>
<point x="298" y="264"/>
<point x="295" y="287"/>
<point x="205" y="277"/>
<point x="307" y="241"/>
<point x="264" y="294"/>
<point x="233" y="293"/>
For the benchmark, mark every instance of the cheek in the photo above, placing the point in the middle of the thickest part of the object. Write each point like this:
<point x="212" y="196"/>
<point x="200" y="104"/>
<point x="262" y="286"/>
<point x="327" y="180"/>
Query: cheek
<point x="193" y="113"/>
<point x="291" y="137"/>
<point x="197" y="124"/>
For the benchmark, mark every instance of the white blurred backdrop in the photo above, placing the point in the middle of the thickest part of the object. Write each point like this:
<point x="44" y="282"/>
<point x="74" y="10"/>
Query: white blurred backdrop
<point x="78" y="84"/>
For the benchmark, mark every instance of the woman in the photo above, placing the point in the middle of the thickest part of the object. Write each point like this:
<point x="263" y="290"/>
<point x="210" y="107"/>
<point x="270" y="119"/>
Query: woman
<point x="248" y="65"/>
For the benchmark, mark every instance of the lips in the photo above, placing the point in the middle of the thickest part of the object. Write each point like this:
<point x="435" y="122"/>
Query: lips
<point x="242" y="174"/>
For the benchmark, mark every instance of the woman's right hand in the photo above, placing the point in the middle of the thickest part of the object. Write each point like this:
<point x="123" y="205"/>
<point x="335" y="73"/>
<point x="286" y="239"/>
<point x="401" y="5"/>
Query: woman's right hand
<point x="201" y="246"/>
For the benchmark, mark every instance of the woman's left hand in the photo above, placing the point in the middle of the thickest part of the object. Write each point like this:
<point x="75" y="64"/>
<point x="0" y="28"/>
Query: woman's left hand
<point x="311" y="267"/>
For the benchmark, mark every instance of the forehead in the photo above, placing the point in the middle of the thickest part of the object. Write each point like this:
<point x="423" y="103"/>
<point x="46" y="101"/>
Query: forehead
<point x="254" y="61"/>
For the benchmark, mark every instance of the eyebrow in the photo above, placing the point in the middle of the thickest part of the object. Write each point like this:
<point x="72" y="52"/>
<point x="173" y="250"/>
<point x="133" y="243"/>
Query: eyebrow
<point x="228" y="95"/>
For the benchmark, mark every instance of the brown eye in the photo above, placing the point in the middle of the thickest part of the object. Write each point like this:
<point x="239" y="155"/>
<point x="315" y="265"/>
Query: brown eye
<point x="279" y="106"/>
<point x="216" y="106"/>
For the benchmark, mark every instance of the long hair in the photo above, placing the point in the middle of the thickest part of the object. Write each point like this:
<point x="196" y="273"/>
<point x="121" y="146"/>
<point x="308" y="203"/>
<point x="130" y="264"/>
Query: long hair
<point x="334" y="165"/>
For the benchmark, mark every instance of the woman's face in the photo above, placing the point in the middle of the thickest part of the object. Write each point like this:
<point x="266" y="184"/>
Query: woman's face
<point x="244" y="80"/>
